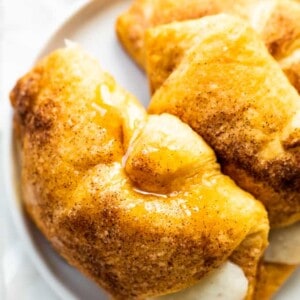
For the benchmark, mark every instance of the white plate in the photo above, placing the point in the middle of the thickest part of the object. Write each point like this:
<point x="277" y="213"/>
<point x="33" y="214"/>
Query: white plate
<point x="92" y="26"/>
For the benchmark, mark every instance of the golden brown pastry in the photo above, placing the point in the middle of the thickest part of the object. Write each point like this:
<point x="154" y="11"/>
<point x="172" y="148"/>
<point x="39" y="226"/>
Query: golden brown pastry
<point x="291" y="67"/>
<point x="275" y="20"/>
<point x="271" y="276"/>
<point x="144" y="14"/>
<point x="223" y="89"/>
<point x="135" y="202"/>
<point x="231" y="91"/>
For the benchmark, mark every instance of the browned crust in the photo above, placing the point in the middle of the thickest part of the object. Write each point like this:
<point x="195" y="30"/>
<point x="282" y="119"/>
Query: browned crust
<point x="291" y="67"/>
<point x="271" y="277"/>
<point x="281" y="33"/>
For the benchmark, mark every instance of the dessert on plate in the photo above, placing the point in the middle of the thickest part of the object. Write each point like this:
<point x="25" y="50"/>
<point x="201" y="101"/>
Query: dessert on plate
<point x="137" y="202"/>
<point x="163" y="205"/>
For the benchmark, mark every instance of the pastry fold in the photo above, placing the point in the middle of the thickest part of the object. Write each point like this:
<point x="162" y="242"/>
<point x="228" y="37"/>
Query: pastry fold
<point x="276" y="21"/>
<point x="137" y="202"/>
<point x="271" y="276"/>
<point x="231" y="91"/>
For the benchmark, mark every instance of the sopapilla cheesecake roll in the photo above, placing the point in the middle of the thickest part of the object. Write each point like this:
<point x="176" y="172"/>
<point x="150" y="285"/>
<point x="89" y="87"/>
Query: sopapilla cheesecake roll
<point x="230" y="90"/>
<point x="137" y="202"/>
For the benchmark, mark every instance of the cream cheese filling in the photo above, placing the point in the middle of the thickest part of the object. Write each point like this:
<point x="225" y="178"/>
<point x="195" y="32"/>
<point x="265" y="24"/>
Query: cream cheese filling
<point x="284" y="245"/>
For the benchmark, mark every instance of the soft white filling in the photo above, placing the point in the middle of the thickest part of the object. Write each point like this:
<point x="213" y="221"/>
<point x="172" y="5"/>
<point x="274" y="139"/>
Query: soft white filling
<point x="228" y="282"/>
<point x="284" y="245"/>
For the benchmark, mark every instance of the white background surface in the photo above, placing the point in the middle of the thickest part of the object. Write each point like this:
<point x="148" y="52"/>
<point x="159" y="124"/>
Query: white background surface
<point x="25" y="26"/>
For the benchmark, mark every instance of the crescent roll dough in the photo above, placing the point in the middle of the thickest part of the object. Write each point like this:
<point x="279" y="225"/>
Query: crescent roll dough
<point x="271" y="276"/>
<point x="277" y="22"/>
<point x="230" y="91"/>
<point x="144" y="14"/>
<point x="136" y="202"/>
